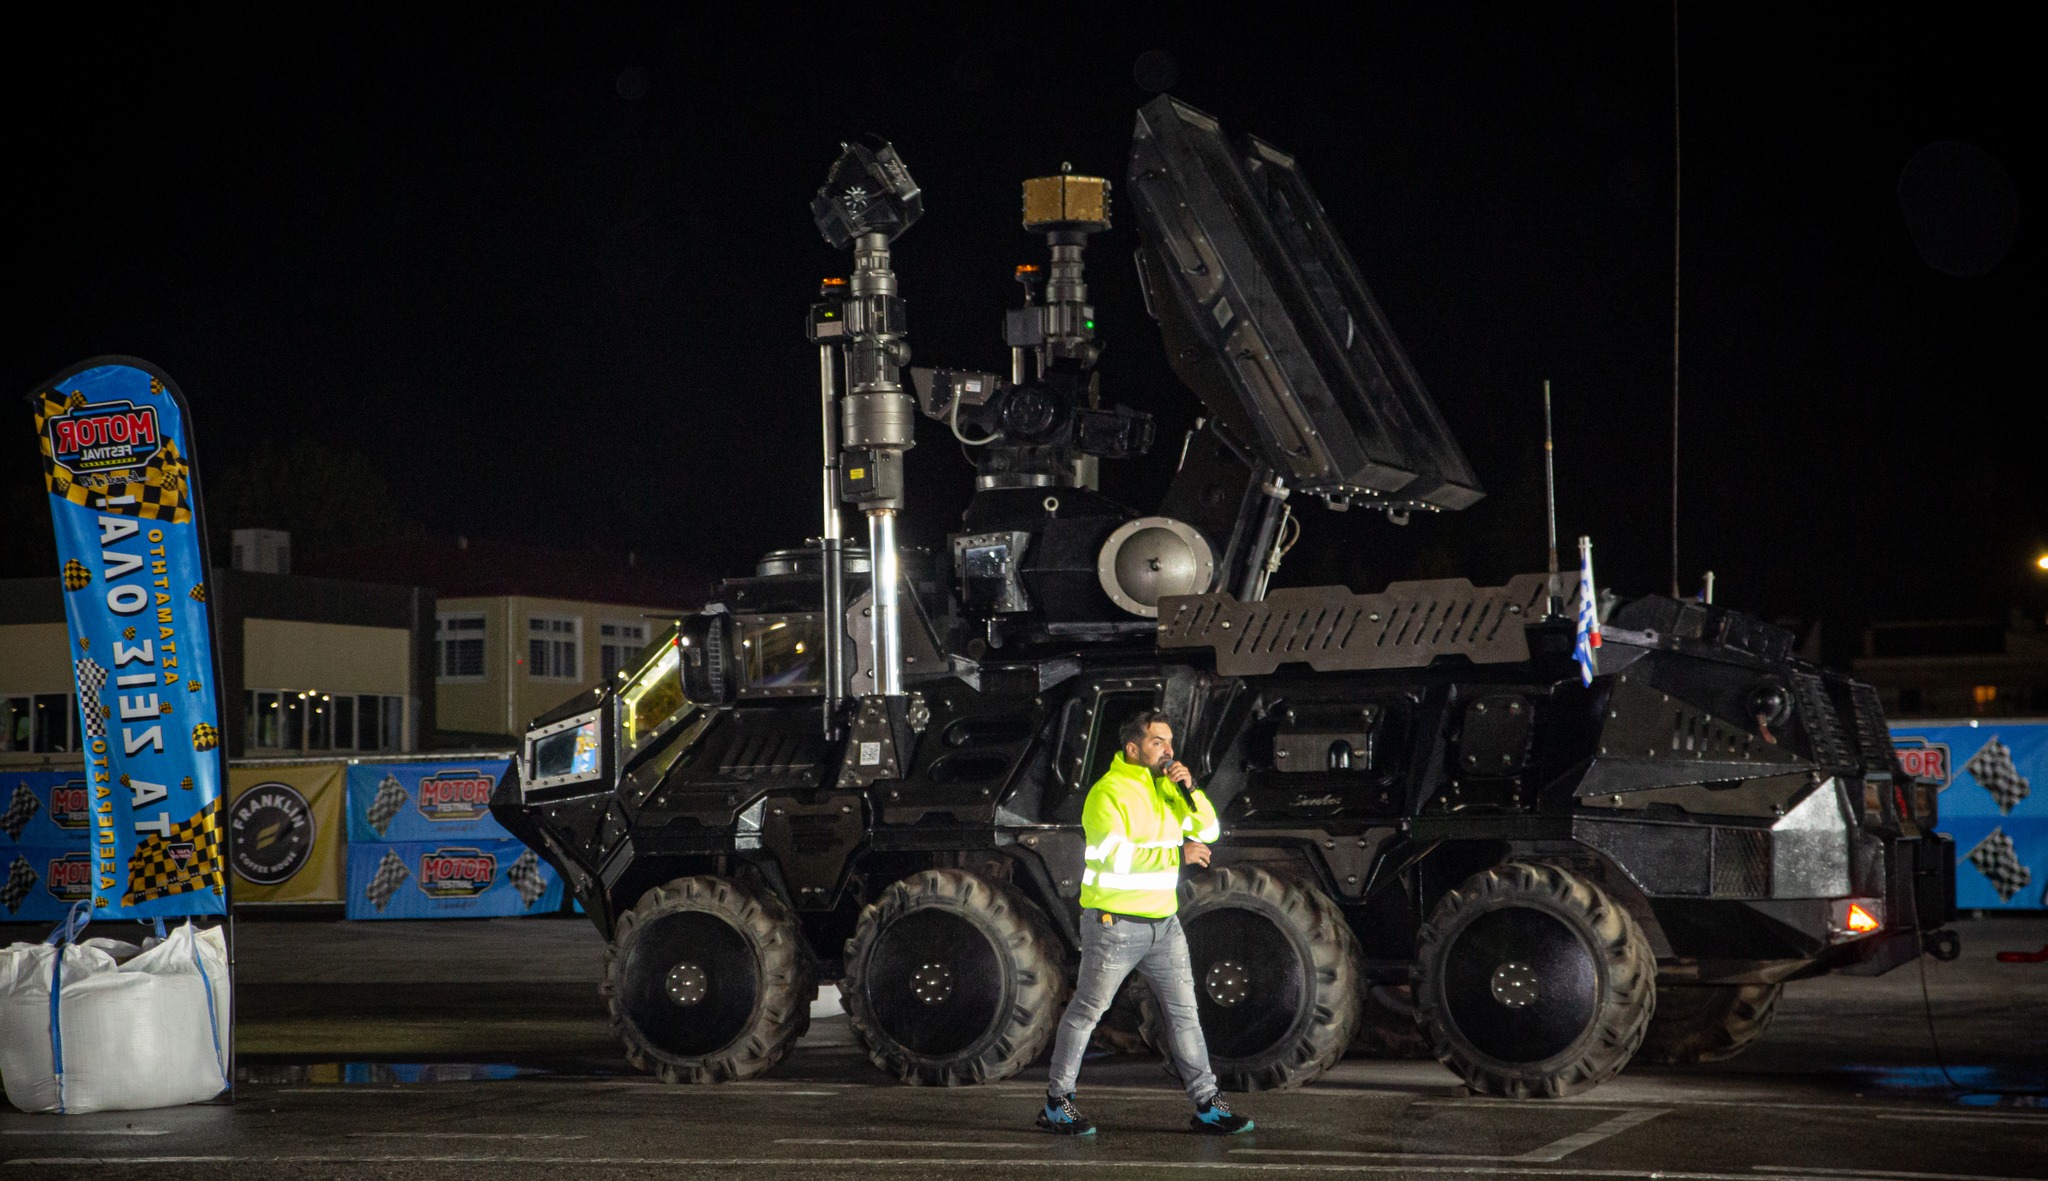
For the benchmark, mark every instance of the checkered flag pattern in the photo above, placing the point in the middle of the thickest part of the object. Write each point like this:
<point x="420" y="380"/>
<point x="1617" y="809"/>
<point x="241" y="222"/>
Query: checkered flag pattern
<point x="1992" y="766"/>
<point x="389" y="799"/>
<point x="525" y="876"/>
<point x="21" y="808"/>
<point x="1995" y="859"/>
<point x="91" y="679"/>
<point x="391" y="874"/>
<point x="21" y="878"/>
<point x="158" y="487"/>
<point x="186" y="858"/>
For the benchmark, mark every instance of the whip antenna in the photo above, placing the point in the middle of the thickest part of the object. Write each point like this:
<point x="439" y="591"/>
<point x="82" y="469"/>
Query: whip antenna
<point x="1677" y="191"/>
<point x="1550" y="493"/>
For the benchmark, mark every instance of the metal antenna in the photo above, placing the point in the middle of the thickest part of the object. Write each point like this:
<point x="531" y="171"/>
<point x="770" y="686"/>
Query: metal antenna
<point x="1677" y="191"/>
<point x="1550" y="492"/>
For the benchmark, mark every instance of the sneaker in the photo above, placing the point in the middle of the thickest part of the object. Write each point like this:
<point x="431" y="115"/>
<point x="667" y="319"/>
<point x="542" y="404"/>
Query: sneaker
<point x="1062" y="1118"/>
<point x="1214" y="1118"/>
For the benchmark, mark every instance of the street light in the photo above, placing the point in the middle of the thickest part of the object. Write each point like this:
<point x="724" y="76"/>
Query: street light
<point x="2041" y="562"/>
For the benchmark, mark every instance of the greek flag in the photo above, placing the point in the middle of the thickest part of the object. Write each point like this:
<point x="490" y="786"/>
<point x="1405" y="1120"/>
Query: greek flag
<point x="1589" y="613"/>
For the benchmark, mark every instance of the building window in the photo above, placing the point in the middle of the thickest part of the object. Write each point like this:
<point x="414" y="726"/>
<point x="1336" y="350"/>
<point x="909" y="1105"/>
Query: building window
<point x="42" y="723"/>
<point x="459" y="647"/>
<point x="1985" y="698"/>
<point x="298" y="721"/>
<point x="618" y="645"/>
<point x="551" y="647"/>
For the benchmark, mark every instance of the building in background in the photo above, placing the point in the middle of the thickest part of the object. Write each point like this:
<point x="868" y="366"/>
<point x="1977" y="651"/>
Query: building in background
<point x="310" y="665"/>
<point x="519" y="629"/>
<point x="1958" y="668"/>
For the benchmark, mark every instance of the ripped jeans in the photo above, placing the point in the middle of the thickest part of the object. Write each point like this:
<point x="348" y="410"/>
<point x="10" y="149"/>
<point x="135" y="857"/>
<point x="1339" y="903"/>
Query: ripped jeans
<point x="1159" y="951"/>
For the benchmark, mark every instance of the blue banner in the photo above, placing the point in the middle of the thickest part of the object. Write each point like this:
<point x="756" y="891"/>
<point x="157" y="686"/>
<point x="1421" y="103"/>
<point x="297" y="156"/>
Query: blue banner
<point x="462" y="878"/>
<point x="45" y="808"/>
<point x="117" y="465"/>
<point x="1994" y="802"/>
<point x="424" y="801"/>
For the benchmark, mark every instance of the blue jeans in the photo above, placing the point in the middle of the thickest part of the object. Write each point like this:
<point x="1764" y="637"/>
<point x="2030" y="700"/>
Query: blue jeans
<point x="1159" y="951"/>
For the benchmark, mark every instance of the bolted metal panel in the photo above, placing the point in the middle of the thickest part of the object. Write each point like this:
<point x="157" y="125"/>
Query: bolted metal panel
<point x="1276" y="330"/>
<point x="1332" y="628"/>
<point x="1810" y="847"/>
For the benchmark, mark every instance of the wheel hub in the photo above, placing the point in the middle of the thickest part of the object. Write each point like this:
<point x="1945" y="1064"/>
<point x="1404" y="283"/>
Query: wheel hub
<point x="1227" y="983"/>
<point x="687" y="984"/>
<point x="1514" y="985"/>
<point x="1522" y="984"/>
<point x="932" y="983"/>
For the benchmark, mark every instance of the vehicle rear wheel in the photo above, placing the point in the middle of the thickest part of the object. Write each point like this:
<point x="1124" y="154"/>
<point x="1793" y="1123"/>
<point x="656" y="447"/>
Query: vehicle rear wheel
<point x="952" y="979"/>
<point x="708" y="981"/>
<point x="1534" y="982"/>
<point x="1386" y="1024"/>
<point x="1277" y="978"/>
<point x="1708" y="1022"/>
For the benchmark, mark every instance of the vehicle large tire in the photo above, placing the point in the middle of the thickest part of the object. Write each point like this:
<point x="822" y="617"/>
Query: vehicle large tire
<point x="1277" y="978"/>
<point x="1708" y="1022"/>
<point x="708" y="981"/>
<point x="1386" y="1024"/>
<point x="1533" y="982"/>
<point x="952" y="979"/>
<point x="1122" y="1028"/>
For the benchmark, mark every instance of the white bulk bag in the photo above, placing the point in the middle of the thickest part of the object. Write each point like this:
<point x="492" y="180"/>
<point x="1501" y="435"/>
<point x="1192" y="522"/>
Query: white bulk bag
<point x="130" y="1031"/>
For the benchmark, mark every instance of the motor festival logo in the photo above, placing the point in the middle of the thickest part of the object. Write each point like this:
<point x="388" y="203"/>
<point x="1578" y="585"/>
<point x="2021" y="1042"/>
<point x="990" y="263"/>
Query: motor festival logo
<point x="71" y="806"/>
<point x="456" y="873"/>
<point x="1922" y="759"/>
<point x="69" y="878"/>
<point x="455" y="795"/>
<point x="104" y="436"/>
<point x="273" y="833"/>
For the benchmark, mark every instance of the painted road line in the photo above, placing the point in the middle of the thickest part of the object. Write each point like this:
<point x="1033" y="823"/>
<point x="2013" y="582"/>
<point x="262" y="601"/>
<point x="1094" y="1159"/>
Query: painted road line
<point x="1554" y="1151"/>
<point x="470" y="1135"/>
<point x="1855" y="1110"/>
<point x="1869" y="1174"/>
<point x="85" y="1132"/>
<point x="1988" y="1117"/>
<point x="923" y="1143"/>
<point x="1410" y="1169"/>
<point x="1559" y="1149"/>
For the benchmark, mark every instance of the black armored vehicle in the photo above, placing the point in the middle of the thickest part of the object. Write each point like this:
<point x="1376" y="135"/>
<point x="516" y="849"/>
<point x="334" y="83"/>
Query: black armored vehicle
<point x="868" y="763"/>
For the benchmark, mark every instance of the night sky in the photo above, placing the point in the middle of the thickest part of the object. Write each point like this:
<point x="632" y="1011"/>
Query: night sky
<point x="546" y="270"/>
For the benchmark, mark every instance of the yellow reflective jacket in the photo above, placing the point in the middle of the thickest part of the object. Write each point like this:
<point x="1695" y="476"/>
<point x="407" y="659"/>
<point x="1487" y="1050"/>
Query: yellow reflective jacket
<point x="1135" y="822"/>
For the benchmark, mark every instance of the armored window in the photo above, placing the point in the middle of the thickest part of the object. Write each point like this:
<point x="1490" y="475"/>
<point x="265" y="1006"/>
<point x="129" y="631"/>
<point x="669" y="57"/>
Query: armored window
<point x="459" y="646"/>
<point x="619" y="643"/>
<point x="551" y="647"/>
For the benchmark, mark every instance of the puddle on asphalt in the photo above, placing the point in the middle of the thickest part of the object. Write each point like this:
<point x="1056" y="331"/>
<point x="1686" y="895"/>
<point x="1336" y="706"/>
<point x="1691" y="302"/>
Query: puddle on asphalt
<point x="1967" y="1086"/>
<point x="370" y="1073"/>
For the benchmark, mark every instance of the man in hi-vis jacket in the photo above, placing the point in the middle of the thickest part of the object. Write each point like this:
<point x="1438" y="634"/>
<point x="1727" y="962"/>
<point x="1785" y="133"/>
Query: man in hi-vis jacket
<point x="1142" y="818"/>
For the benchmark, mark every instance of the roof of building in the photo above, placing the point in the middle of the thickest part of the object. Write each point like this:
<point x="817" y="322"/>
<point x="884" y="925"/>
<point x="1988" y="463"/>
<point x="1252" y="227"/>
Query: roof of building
<point x="459" y="567"/>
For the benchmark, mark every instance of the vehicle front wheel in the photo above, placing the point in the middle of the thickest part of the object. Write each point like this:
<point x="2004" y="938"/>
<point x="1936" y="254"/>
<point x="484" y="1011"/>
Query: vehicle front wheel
<point x="708" y="981"/>
<point x="1533" y="982"/>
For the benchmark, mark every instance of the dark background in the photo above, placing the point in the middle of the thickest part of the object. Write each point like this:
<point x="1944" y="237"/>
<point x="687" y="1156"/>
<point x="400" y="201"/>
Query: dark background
<point x="540" y="276"/>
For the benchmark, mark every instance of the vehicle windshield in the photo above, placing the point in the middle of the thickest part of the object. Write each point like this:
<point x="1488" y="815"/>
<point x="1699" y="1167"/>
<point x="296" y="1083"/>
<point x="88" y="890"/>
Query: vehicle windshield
<point x="782" y="655"/>
<point x="653" y="694"/>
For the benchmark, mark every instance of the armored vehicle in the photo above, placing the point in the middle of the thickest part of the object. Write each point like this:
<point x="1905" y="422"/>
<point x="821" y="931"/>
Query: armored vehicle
<point x="869" y="763"/>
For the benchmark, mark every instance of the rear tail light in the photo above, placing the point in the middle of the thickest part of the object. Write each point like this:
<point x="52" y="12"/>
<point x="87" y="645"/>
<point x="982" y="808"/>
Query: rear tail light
<point x="1854" y="918"/>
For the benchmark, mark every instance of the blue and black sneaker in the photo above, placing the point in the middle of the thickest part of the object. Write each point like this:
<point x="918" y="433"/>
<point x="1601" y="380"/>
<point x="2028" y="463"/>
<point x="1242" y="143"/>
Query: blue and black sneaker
<point x="1062" y="1118"/>
<point x="1215" y="1119"/>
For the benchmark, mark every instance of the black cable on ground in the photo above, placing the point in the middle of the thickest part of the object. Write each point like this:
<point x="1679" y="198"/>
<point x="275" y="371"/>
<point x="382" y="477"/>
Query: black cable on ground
<point x="1926" y="999"/>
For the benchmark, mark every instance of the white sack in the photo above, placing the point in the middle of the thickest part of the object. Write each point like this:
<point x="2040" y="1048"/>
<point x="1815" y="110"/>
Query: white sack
<point x="134" y="1028"/>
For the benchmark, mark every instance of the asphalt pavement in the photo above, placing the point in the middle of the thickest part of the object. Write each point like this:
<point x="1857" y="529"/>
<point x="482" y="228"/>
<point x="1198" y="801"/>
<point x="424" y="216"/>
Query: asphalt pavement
<point x="479" y="1049"/>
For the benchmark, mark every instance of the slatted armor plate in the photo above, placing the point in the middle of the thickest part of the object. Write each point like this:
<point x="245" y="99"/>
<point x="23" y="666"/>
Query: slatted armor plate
<point x="1332" y="628"/>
